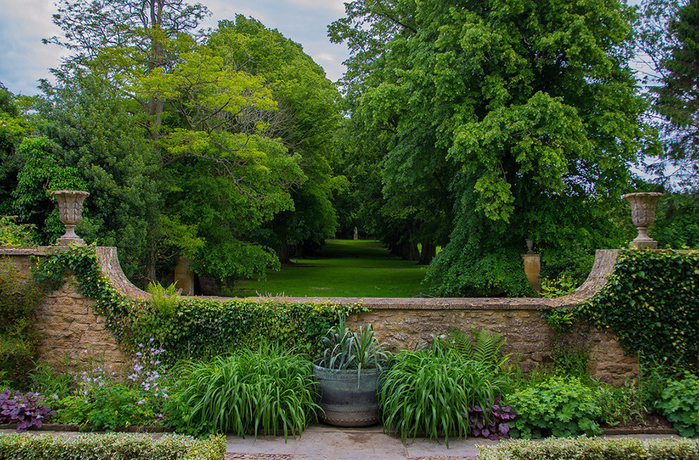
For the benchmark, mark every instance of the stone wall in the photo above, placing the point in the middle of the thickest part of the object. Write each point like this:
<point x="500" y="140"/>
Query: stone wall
<point x="70" y="328"/>
<point x="71" y="333"/>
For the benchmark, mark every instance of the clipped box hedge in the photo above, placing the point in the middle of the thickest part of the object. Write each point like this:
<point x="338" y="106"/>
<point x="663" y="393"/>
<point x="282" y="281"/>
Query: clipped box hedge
<point x="110" y="446"/>
<point x="583" y="448"/>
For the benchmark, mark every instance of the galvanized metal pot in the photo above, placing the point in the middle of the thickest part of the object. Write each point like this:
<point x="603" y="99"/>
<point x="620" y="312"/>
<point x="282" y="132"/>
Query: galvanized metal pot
<point x="345" y="400"/>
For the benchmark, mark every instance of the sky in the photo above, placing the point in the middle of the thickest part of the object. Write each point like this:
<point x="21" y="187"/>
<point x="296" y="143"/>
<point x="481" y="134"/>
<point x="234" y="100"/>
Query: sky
<point x="23" y="23"/>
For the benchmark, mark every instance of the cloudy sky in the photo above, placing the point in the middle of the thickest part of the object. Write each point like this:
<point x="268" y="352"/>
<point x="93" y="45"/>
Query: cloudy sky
<point x="23" y="23"/>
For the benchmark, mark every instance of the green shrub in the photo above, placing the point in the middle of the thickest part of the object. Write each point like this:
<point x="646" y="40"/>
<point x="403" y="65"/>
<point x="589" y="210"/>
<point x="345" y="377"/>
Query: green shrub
<point x="14" y="234"/>
<point x="558" y="406"/>
<point x="623" y="405"/>
<point x="111" y="447"/>
<point x="592" y="449"/>
<point x="18" y="336"/>
<point x="103" y="399"/>
<point x="107" y="407"/>
<point x="429" y="391"/>
<point x="265" y="391"/>
<point x="680" y="404"/>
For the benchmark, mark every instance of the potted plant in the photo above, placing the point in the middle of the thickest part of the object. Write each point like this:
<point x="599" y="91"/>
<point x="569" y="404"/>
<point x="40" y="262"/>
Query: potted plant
<point x="347" y="376"/>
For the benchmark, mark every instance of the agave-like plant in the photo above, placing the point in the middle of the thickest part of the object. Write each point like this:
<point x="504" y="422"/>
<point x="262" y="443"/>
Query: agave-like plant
<point x="344" y="349"/>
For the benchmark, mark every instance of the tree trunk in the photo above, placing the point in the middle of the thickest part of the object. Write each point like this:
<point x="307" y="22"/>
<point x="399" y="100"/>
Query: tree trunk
<point x="283" y="254"/>
<point x="429" y="251"/>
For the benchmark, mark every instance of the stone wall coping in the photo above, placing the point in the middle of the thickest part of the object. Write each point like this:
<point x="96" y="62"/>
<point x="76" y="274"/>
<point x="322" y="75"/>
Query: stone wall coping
<point x="603" y="266"/>
<point x="605" y="260"/>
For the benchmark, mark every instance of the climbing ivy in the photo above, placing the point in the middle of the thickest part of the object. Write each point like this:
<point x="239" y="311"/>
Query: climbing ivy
<point x="195" y="327"/>
<point x="651" y="302"/>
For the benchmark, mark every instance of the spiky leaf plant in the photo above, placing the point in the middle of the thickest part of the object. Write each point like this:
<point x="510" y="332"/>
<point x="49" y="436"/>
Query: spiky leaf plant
<point x="425" y="392"/>
<point x="263" y="391"/>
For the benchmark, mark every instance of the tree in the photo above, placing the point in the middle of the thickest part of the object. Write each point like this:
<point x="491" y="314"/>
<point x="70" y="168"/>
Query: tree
<point x="94" y="134"/>
<point x="222" y="172"/>
<point x="677" y="99"/>
<point x="13" y="128"/>
<point x="127" y="39"/>
<point x="526" y="112"/>
<point x="305" y="122"/>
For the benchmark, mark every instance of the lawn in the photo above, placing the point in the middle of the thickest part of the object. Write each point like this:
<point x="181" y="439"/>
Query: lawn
<point x="342" y="268"/>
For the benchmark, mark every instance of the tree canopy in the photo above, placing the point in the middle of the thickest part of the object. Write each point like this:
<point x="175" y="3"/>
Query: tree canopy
<point x="525" y="112"/>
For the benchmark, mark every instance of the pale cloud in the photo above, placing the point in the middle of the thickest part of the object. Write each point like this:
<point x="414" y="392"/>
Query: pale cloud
<point x="335" y="6"/>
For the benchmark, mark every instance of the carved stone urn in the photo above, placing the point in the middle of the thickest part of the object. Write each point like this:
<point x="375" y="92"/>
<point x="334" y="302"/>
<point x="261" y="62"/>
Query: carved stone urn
<point x="532" y="266"/>
<point x="70" y="209"/>
<point x="643" y="216"/>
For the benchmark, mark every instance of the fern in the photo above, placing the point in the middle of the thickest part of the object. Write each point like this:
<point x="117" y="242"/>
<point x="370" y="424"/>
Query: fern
<point x="485" y="350"/>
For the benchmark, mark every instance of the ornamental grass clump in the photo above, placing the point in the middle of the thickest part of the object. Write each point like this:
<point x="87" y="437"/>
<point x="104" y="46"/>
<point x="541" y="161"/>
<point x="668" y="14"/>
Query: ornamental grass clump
<point x="428" y="392"/>
<point x="264" y="391"/>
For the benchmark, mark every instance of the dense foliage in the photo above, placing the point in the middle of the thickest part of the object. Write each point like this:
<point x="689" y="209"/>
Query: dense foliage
<point x="680" y="403"/>
<point x="112" y="447"/>
<point x="267" y="391"/>
<point x="652" y="303"/>
<point x="18" y="336"/>
<point x="584" y="448"/>
<point x="191" y="327"/>
<point x="497" y="122"/>
<point x="559" y="406"/>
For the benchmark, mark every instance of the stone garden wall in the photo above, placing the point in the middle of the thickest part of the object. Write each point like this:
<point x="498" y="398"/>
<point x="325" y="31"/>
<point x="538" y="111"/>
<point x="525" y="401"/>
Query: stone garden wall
<point x="71" y="330"/>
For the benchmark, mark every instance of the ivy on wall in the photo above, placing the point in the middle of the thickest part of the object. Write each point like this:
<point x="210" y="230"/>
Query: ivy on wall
<point x="651" y="301"/>
<point x="188" y="327"/>
<point x="18" y="337"/>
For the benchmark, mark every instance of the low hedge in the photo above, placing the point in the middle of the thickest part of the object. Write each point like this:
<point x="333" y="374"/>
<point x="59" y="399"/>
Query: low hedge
<point x="111" y="446"/>
<point x="592" y="449"/>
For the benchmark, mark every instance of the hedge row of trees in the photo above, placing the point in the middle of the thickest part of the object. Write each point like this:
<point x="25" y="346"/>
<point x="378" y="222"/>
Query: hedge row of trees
<point x="467" y="125"/>
<point x="213" y="146"/>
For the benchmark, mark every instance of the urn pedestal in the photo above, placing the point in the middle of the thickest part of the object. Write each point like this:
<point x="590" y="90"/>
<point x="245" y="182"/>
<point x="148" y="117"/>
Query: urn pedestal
<point x="70" y="209"/>
<point x="643" y="216"/>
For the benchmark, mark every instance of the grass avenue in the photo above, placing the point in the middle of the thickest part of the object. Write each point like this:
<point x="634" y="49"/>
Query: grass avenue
<point x="342" y="268"/>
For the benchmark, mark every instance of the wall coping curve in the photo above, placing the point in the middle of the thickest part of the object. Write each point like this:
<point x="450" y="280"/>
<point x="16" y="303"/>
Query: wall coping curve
<point x="603" y="266"/>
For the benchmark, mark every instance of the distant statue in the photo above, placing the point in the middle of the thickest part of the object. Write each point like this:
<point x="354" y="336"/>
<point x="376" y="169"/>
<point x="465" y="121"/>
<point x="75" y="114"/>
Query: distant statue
<point x="356" y="234"/>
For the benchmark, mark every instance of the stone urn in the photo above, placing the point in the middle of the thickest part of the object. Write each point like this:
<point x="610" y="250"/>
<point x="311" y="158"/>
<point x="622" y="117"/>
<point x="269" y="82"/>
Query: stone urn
<point x="70" y="209"/>
<point x="643" y="216"/>
<point x="532" y="266"/>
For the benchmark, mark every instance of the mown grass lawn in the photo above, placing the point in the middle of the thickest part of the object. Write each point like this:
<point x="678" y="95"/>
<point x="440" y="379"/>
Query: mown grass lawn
<point x="342" y="268"/>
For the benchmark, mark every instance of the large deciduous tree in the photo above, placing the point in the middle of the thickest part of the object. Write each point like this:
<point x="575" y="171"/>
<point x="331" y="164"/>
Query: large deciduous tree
<point x="221" y="171"/>
<point x="522" y="116"/>
<point x="305" y="121"/>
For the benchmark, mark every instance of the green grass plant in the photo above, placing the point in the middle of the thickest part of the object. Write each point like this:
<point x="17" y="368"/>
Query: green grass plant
<point x="428" y="392"/>
<point x="342" y="268"/>
<point x="264" y="391"/>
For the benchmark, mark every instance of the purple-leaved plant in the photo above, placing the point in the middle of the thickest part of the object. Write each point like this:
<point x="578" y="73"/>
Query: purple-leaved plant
<point x="491" y="422"/>
<point x="26" y="410"/>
